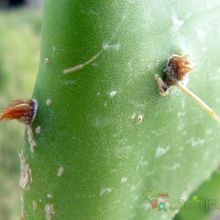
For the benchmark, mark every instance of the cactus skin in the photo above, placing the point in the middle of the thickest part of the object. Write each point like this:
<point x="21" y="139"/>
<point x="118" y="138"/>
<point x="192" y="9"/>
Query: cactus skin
<point x="107" y="126"/>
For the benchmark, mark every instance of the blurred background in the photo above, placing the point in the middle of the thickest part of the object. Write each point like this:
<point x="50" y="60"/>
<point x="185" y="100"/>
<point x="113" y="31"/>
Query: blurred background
<point x="20" y="26"/>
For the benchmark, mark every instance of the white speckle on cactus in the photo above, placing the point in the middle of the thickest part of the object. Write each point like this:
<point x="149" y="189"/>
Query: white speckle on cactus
<point x="46" y="61"/>
<point x="180" y="114"/>
<point x="124" y="179"/>
<point x="160" y="151"/>
<point x="177" y="23"/>
<point x="184" y="196"/>
<point x="113" y="93"/>
<point x="105" y="104"/>
<point x="34" y="205"/>
<point x="133" y="116"/>
<point x="38" y="130"/>
<point x="26" y="175"/>
<point x="139" y="118"/>
<point x="181" y="126"/>
<point x="107" y="46"/>
<point x="60" y="171"/>
<point x="196" y="142"/>
<point x="183" y="104"/>
<point x="105" y="191"/>
<point x="31" y="140"/>
<point x="200" y="33"/>
<point x="141" y="163"/>
<point x="49" y="196"/>
<point x="49" y="211"/>
<point x="174" y="167"/>
<point x="49" y="102"/>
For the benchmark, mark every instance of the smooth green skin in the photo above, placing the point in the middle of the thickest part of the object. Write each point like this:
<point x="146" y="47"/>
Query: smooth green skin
<point x="94" y="136"/>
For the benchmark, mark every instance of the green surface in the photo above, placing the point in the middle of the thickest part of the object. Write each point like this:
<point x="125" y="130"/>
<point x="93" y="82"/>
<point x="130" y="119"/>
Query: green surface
<point x="19" y="56"/>
<point x="110" y="160"/>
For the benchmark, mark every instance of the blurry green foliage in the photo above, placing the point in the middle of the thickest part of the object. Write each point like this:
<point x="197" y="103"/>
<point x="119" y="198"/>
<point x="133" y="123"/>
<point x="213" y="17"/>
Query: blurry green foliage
<point x="19" y="57"/>
<point x="204" y="203"/>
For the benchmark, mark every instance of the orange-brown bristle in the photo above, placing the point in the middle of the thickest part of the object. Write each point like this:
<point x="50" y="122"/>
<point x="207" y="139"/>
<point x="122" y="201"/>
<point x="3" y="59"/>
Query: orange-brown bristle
<point x="23" y="111"/>
<point x="177" y="68"/>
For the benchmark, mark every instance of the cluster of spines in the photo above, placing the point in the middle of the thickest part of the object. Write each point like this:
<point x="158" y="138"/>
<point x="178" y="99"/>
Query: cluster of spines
<point x="23" y="111"/>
